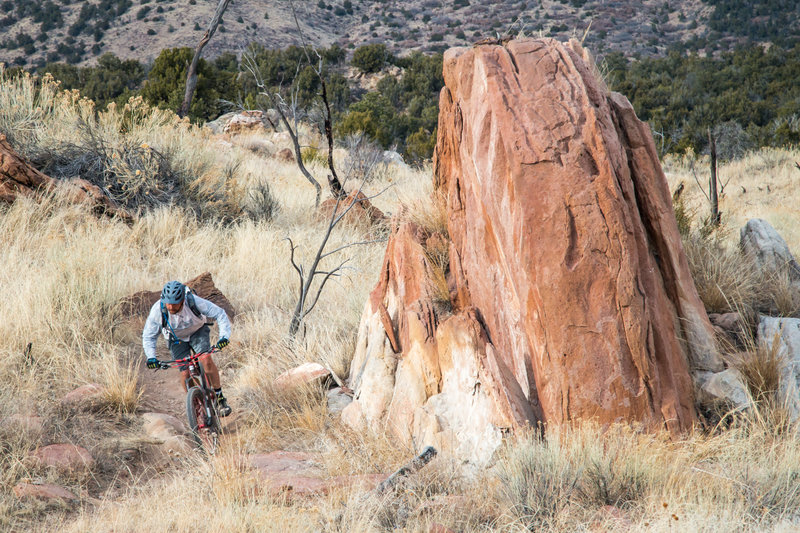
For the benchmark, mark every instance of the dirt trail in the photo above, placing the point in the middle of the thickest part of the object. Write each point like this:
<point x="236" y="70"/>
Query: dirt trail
<point x="162" y="392"/>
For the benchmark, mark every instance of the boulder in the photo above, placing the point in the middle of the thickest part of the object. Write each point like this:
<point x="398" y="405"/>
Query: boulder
<point x="569" y="288"/>
<point x="338" y="400"/>
<point x="84" y="394"/>
<point x="18" y="178"/>
<point x="139" y="303"/>
<point x="245" y="122"/>
<point x="786" y="333"/>
<point x="42" y="491"/>
<point x="169" y="431"/>
<point x="727" y="384"/>
<point x="298" y="474"/>
<point x="30" y="425"/>
<point x="286" y="155"/>
<point x="771" y="253"/>
<point x="67" y="457"/>
<point x="305" y="374"/>
<point x="361" y="212"/>
<point x="162" y="426"/>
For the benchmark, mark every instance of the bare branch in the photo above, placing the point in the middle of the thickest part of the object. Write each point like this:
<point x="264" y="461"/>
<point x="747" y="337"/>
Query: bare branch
<point x="334" y="272"/>
<point x="350" y="245"/>
<point x="191" y="74"/>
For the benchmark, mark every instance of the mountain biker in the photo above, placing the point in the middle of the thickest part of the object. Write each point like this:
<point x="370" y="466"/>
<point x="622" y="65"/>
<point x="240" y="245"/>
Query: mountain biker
<point x="180" y="315"/>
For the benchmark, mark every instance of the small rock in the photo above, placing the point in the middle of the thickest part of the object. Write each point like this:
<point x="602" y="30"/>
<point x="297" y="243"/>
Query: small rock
<point x="43" y="491"/>
<point x="353" y="416"/>
<point x="285" y="155"/>
<point x="31" y="425"/>
<point x="436" y="527"/>
<point x="65" y="456"/>
<point x="338" y="400"/>
<point x="162" y="426"/>
<point x="760" y="240"/>
<point x="298" y="474"/>
<point x="304" y="374"/>
<point x="726" y="385"/>
<point x="84" y="393"/>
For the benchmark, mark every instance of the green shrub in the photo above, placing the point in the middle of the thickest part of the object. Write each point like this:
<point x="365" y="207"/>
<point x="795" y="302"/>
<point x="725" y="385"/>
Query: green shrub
<point x="370" y="57"/>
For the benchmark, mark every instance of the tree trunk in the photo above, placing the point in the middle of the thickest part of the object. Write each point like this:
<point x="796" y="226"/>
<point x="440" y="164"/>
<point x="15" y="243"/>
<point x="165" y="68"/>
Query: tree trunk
<point x="712" y="184"/>
<point x="191" y="75"/>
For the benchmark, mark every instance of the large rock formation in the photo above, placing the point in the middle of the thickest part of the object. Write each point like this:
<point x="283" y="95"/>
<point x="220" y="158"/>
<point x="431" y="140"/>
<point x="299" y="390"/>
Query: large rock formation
<point x="572" y="296"/>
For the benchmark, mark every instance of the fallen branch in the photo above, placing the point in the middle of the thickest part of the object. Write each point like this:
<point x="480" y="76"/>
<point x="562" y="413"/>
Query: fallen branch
<point x="415" y="465"/>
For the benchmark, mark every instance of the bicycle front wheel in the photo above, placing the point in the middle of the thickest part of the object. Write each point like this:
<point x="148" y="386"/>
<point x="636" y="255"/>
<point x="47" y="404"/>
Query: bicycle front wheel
<point x="205" y="434"/>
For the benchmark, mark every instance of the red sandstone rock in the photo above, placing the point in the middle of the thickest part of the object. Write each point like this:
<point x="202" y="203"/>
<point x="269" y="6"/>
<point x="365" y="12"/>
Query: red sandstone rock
<point x="299" y="475"/>
<point x="563" y="226"/>
<point x="43" y="491"/>
<point x="84" y="393"/>
<point x="16" y="176"/>
<point x="362" y="210"/>
<point x="139" y="304"/>
<point x="65" y="456"/>
<point x="286" y="155"/>
<point x="302" y="375"/>
<point x="567" y="274"/>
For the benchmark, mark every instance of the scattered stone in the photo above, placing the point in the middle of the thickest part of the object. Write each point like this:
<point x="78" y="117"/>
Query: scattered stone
<point x="42" y="491"/>
<point x="298" y="474"/>
<point x="760" y="240"/>
<point x="246" y="121"/>
<point x="361" y="212"/>
<point x="65" y="456"/>
<point x="31" y="425"/>
<point x="726" y="386"/>
<point x="170" y="431"/>
<point x="305" y="374"/>
<point x="338" y="400"/>
<point x="84" y="394"/>
<point x="286" y="155"/>
<point x="353" y="416"/>
<point x="786" y="332"/>
<point x="162" y="426"/>
<point x="393" y="158"/>
<point x="731" y="328"/>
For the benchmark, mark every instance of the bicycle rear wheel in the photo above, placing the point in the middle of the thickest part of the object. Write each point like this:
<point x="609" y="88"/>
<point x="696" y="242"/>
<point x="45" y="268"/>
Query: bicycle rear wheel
<point x="204" y="431"/>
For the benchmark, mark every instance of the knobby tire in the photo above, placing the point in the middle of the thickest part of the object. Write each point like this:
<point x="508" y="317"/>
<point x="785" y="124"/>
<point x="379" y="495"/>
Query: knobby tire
<point x="207" y="436"/>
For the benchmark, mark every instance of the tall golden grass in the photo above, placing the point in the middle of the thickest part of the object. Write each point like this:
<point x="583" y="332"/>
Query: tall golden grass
<point x="63" y="272"/>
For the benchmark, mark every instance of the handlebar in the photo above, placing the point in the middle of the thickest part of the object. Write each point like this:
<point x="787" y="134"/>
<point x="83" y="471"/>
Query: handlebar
<point x="165" y="365"/>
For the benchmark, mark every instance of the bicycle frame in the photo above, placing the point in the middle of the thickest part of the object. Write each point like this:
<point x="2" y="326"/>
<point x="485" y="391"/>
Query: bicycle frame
<point x="206" y="423"/>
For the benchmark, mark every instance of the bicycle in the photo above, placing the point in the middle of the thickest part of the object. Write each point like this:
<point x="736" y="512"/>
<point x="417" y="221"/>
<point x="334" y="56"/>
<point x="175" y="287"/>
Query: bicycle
<point x="201" y="401"/>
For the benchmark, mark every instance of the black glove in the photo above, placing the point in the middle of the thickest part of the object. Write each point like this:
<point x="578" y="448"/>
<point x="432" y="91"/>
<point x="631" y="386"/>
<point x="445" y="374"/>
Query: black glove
<point x="152" y="363"/>
<point x="223" y="342"/>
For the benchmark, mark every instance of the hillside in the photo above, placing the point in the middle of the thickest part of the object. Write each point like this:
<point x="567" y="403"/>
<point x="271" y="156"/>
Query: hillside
<point x="39" y="31"/>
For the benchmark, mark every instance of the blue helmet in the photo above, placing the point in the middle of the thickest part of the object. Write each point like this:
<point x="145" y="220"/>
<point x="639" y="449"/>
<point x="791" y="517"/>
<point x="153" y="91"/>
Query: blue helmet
<point x="174" y="292"/>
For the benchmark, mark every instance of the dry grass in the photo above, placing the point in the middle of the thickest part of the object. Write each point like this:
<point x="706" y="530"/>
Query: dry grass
<point x="63" y="271"/>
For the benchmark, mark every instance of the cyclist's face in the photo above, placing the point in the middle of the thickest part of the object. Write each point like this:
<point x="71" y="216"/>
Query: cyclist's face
<point x="174" y="309"/>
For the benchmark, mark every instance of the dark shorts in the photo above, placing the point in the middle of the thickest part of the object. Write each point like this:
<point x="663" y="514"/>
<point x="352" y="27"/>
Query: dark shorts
<point x="199" y="342"/>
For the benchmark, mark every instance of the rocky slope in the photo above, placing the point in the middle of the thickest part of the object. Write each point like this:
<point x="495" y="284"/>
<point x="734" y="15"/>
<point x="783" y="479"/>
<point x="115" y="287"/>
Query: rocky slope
<point x="42" y="30"/>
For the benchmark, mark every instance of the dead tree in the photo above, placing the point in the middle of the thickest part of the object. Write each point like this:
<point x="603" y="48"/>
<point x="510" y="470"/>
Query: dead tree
<point x="712" y="183"/>
<point x="191" y="74"/>
<point x="308" y="294"/>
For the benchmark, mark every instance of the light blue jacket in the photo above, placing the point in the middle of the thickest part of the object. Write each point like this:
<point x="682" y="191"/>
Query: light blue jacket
<point x="182" y="329"/>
